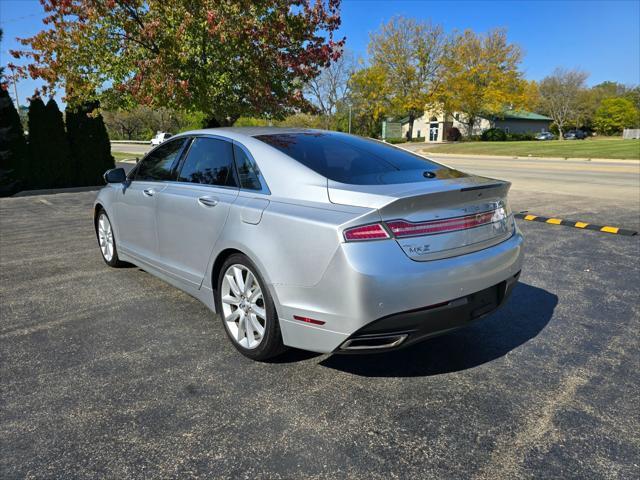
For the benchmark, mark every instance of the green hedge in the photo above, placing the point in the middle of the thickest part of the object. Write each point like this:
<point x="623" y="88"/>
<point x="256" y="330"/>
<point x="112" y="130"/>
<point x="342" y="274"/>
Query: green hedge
<point x="499" y="135"/>
<point x="516" y="137"/>
<point x="13" y="146"/>
<point x="494" y="135"/>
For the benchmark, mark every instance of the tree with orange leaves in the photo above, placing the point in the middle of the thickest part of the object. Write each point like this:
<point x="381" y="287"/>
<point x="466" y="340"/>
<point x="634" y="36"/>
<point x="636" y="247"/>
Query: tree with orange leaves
<point x="221" y="58"/>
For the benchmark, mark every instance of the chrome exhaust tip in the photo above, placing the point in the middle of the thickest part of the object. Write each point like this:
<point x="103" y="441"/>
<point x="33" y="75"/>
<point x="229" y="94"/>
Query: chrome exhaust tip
<point x="374" y="342"/>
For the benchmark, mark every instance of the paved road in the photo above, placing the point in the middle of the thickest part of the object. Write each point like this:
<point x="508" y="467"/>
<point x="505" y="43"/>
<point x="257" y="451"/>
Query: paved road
<point x="612" y="180"/>
<point x="133" y="148"/>
<point x="111" y="373"/>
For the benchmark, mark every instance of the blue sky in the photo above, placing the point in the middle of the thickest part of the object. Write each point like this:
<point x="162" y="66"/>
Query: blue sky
<point x="600" y="37"/>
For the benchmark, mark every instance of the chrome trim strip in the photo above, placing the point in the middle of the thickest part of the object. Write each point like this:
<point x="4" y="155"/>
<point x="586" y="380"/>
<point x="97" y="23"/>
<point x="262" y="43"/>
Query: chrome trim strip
<point x="185" y="151"/>
<point x="399" y="338"/>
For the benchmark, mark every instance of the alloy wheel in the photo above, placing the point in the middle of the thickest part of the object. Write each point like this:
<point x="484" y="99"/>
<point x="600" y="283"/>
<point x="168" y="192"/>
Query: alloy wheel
<point x="105" y="237"/>
<point x="243" y="307"/>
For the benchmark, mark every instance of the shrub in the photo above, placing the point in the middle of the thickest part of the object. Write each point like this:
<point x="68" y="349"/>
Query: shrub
<point x="520" y="136"/>
<point x="418" y="139"/>
<point x="394" y="141"/>
<point x="493" y="135"/>
<point x="454" y="135"/>
<point x="13" y="146"/>
<point x="57" y="163"/>
<point x="89" y="144"/>
<point x="36" y="174"/>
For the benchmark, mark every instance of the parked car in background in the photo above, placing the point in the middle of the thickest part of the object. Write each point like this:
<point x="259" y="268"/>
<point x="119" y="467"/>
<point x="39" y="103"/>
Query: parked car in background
<point x="545" y="136"/>
<point x="160" y="137"/>
<point x="359" y="247"/>
<point x="575" y="135"/>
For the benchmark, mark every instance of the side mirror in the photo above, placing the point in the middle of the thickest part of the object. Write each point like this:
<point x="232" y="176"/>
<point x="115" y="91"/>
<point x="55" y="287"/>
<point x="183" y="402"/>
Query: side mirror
<point x="115" y="175"/>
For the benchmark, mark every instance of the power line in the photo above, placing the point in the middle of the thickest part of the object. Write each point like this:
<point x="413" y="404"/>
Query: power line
<point x="17" y="19"/>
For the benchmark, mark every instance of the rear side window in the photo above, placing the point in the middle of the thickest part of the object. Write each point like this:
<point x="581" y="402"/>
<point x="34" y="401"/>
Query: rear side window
<point x="158" y="165"/>
<point x="209" y="161"/>
<point x="355" y="160"/>
<point x="246" y="171"/>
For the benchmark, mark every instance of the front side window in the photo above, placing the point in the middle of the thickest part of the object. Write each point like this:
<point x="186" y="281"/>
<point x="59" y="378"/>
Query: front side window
<point x="246" y="171"/>
<point x="158" y="165"/>
<point x="210" y="162"/>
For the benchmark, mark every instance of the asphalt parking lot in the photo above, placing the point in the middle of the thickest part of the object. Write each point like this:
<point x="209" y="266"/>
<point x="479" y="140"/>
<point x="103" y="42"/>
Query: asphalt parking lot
<point x="114" y="374"/>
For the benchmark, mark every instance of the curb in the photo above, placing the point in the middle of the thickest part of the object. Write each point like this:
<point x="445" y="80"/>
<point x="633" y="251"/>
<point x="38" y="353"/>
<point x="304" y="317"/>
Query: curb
<point x="576" y="224"/>
<point x="509" y="157"/>
<point x="53" y="191"/>
<point x="137" y="142"/>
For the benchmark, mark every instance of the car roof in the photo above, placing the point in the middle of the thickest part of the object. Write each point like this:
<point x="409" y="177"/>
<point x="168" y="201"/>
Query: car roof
<point x="251" y="131"/>
<point x="308" y="185"/>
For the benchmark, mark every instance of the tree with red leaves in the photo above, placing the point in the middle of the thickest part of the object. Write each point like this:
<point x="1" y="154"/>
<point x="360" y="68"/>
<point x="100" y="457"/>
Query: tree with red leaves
<point x="223" y="58"/>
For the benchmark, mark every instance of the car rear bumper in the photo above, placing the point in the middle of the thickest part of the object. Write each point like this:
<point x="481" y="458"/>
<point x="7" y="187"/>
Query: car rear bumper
<point x="373" y="288"/>
<point x="406" y="328"/>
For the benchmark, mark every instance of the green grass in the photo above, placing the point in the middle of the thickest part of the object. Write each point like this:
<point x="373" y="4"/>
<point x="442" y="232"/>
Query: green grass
<point x="591" y="148"/>
<point x="119" y="156"/>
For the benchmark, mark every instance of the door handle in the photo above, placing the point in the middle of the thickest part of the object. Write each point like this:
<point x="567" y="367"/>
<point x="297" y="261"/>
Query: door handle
<point x="148" y="192"/>
<point x="208" y="201"/>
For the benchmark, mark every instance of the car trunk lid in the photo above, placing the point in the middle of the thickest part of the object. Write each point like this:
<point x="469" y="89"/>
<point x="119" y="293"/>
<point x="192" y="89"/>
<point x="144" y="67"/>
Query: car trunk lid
<point x="437" y="218"/>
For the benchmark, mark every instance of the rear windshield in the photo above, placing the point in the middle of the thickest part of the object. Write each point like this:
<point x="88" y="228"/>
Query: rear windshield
<point x="356" y="160"/>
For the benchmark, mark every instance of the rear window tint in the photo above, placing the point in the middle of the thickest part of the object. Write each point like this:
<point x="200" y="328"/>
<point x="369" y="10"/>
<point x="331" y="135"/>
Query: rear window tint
<point x="354" y="160"/>
<point x="246" y="170"/>
<point x="209" y="161"/>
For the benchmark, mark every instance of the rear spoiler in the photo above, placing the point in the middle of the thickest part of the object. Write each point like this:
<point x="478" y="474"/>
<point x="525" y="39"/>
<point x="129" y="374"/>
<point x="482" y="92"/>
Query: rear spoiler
<point x="451" y="201"/>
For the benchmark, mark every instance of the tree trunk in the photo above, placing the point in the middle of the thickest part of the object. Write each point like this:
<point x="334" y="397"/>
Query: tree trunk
<point x="410" y="131"/>
<point x="470" y="124"/>
<point x="560" y="136"/>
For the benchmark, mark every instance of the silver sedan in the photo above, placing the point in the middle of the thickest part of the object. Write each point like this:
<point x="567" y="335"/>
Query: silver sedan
<point x="313" y="239"/>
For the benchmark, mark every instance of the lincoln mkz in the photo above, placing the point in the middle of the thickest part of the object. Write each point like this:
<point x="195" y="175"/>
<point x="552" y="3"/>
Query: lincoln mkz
<point x="312" y="239"/>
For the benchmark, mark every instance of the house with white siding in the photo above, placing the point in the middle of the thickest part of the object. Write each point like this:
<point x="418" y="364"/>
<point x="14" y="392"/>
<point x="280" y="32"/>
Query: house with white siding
<point x="435" y="126"/>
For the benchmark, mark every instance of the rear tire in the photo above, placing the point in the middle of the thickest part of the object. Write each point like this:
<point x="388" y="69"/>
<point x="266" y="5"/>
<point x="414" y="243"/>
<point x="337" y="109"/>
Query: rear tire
<point x="107" y="240"/>
<point x="247" y="311"/>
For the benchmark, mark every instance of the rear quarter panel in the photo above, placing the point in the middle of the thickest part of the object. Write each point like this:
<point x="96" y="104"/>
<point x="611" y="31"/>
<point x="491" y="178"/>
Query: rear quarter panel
<point x="292" y="244"/>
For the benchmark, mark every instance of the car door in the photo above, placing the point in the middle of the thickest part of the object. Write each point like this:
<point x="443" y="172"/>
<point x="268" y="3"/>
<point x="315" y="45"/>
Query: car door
<point x="137" y="201"/>
<point x="192" y="211"/>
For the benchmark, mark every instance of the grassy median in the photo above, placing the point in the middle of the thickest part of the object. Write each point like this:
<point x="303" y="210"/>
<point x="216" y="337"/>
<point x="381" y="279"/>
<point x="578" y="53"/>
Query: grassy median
<point x="120" y="156"/>
<point x="590" y="148"/>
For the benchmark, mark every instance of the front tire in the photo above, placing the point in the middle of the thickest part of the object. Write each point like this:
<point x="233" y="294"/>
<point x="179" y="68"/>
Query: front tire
<point x="247" y="310"/>
<point x="107" y="241"/>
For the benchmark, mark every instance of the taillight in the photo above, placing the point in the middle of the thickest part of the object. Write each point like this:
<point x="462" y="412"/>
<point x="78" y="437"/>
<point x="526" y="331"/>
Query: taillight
<point x="402" y="228"/>
<point x="374" y="231"/>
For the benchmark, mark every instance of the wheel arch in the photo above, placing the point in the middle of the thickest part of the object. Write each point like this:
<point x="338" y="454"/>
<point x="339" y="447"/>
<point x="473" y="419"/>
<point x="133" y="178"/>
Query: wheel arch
<point x="97" y="208"/>
<point x="221" y="257"/>
<point x="217" y="265"/>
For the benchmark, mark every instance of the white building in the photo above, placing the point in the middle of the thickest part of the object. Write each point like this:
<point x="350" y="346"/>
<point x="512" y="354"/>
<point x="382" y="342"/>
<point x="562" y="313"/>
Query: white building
<point x="435" y="126"/>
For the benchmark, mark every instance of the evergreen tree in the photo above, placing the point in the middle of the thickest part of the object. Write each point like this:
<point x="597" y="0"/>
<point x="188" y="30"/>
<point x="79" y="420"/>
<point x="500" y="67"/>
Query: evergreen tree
<point x="37" y="174"/>
<point x="13" y="146"/>
<point x="89" y="143"/>
<point x="58" y="162"/>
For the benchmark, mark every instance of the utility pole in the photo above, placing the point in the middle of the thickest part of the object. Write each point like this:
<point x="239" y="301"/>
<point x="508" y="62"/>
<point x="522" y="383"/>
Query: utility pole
<point x="15" y="90"/>
<point x="349" y="118"/>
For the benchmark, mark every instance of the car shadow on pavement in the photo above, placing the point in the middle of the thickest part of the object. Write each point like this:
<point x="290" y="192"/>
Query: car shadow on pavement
<point x="526" y="313"/>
